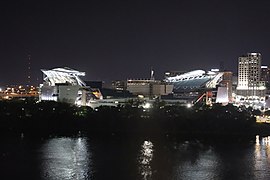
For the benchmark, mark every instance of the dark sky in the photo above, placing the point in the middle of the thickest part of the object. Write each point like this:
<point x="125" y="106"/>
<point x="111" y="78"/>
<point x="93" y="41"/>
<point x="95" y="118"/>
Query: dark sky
<point x="122" y="39"/>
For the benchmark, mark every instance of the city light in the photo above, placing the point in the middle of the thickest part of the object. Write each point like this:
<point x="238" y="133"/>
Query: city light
<point x="147" y="105"/>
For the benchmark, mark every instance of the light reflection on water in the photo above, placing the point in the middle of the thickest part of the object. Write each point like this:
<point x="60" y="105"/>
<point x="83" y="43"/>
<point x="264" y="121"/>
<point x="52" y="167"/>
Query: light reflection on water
<point x="262" y="158"/>
<point x="145" y="158"/>
<point x="66" y="158"/>
<point x="124" y="158"/>
<point x="204" y="166"/>
<point x="195" y="160"/>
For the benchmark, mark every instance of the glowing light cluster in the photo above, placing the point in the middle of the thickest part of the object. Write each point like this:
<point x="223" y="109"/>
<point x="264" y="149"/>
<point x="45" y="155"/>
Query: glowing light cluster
<point x="147" y="105"/>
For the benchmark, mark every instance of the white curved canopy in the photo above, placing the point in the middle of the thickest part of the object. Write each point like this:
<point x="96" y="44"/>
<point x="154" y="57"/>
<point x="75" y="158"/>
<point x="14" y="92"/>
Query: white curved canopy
<point x="187" y="76"/>
<point x="196" y="79"/>
<point x="63" y="75"/>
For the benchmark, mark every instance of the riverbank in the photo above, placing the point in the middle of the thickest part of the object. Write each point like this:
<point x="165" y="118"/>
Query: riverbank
<point x="216" y="122"/>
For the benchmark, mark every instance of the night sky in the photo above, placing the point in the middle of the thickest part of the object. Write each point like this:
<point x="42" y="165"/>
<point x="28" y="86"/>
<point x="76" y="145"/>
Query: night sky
<point x="112" y="40"/>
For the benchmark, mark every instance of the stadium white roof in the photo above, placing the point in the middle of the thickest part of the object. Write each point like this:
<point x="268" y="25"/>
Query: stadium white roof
<point x="194" y="80"/>
<point x="63" y="75"/>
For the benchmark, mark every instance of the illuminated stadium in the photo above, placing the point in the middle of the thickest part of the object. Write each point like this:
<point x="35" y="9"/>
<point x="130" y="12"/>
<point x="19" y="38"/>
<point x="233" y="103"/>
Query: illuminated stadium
<point x="63" y="75"/>
<point x="65" y="85"/>
<point x="195" y="80"/>
<point x="191" y="85"/>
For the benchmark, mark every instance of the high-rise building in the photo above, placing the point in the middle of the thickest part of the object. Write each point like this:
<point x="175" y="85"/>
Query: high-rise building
<point x="265" y="74"/>
<point x="249" y="76"/>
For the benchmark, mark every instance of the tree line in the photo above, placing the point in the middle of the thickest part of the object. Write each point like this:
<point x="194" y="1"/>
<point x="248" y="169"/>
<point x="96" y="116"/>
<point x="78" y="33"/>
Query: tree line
<point x="53" y="117"/>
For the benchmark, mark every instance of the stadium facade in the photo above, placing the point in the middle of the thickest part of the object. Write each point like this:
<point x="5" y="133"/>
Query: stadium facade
<point x="65" y="85"/>
<point x="148" y="87"/>
<point x="199" y="84"/>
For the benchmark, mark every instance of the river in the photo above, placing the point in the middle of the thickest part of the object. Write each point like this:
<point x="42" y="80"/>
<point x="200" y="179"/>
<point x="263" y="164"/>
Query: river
<point x="85" y="157"/>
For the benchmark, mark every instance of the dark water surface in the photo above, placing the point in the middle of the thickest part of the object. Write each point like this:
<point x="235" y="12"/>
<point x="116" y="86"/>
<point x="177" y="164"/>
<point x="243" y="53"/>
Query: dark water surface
<point x="83" y="157"/>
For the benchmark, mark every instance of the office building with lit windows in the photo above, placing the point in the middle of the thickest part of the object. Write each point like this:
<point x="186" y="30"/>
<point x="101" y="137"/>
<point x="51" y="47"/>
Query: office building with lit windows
<point x="249" y="76"/>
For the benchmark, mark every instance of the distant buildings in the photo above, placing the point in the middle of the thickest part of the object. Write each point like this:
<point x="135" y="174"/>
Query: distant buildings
<point x="185" y="87"/>
<point x="265" y="73"/>
<point x="149" y="87"/>
<point x="18" y="92"/>
<point x="119" y="85"/>
<point x="265" y="76"/>
<point x="249" y="76"/>
<point x="225" y="88"/>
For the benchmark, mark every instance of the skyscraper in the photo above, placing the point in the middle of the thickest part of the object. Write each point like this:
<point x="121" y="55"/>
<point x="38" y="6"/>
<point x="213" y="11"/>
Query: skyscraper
<point x="265" y="74"/>
<point x="249" y="76"/>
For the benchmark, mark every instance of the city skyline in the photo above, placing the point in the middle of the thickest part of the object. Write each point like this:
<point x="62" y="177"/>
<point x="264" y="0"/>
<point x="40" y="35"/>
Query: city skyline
<point x="113" y="40"/>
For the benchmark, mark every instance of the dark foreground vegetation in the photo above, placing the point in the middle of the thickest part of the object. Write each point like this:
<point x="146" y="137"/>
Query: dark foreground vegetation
<point x="34" y="118"/>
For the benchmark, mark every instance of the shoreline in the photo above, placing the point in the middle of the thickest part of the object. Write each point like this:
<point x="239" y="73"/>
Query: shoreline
<point x="217" y="122"/>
